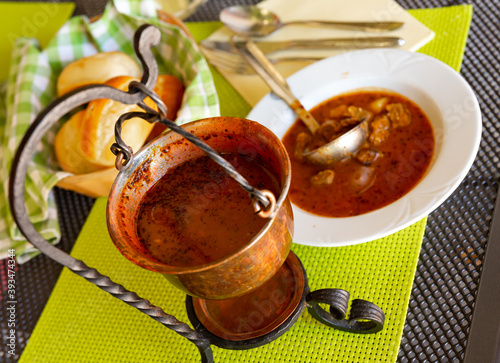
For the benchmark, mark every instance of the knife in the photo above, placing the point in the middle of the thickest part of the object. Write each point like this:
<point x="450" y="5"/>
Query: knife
<point x="335" y="43"/>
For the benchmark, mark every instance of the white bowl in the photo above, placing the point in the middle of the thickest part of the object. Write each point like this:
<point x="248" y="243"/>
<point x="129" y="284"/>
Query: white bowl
<point x="440" y="91"/>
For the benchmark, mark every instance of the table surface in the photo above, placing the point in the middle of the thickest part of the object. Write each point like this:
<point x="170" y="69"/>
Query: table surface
<point x="458" y="234"/>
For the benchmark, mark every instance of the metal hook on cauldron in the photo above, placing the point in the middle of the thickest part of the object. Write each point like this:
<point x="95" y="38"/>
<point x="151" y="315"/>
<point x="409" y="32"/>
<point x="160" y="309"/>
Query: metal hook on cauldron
<point x="264" y="201"/>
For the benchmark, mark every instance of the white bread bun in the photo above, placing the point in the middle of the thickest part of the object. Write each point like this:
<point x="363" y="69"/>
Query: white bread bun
<point x="97" y="68"/>
<point x="170" y="89"/>
<point x="67" y="147"/>
<point x="82" y="145"/>
<point x="98" y="126"/>
<point x="89" y="180"/>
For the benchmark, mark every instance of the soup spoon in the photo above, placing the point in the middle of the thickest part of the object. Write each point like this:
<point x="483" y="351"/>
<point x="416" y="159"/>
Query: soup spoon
<point x="335" y="150"/>
<point x="258" y="22"/>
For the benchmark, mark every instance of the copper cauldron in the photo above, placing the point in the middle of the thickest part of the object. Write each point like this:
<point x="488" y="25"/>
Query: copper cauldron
<point x="237" y="273"/>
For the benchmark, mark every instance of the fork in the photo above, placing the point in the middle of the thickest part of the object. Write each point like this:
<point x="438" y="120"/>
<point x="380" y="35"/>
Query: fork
<point x="233" y="63"/>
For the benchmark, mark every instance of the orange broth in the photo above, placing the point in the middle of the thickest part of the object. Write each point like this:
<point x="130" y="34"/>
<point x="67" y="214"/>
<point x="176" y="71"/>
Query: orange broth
<point x="406" y="156"/>
<point x="196" y="213"/>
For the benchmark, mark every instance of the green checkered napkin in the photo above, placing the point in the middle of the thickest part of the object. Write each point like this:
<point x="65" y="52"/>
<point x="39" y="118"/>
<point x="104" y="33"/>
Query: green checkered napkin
<point x="31" y="86"/>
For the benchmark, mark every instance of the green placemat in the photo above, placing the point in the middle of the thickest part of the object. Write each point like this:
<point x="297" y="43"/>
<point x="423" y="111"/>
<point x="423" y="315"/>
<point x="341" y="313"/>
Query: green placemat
<point x="82" y="323"/>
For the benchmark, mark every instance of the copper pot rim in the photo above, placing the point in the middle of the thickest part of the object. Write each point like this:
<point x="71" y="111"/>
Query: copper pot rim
<point x="170" y="137"/>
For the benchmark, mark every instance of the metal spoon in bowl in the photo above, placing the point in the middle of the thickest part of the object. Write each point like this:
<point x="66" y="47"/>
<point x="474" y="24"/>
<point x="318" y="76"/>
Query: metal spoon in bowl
<point x="258" y="22"/>
<point x="334" y="151"/>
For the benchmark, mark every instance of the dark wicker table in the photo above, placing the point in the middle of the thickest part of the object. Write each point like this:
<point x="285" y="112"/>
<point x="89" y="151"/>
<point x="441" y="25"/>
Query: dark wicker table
<point x="450" y="317"/>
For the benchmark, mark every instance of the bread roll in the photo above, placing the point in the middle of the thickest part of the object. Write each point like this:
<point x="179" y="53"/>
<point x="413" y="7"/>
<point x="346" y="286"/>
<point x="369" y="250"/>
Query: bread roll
<point x="68" y="150"/>
<point x="82" y="145"/>
<point x="98" y="126"/>
<point x="97" y="68"/>
<point x="171" y="91"/>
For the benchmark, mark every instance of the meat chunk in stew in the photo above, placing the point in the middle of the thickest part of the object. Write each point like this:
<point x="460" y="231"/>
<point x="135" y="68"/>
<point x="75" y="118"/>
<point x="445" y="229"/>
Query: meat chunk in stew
<point x="356" y="115"/>
<point x="380" y="129"/>
<point x="399" y="115"/>
<point x="329" y="129"/>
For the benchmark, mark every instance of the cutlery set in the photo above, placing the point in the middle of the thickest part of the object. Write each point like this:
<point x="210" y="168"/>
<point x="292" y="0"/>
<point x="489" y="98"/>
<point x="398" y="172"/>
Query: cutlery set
<point x="224" y="56"/>
<point x="254" y="22"/>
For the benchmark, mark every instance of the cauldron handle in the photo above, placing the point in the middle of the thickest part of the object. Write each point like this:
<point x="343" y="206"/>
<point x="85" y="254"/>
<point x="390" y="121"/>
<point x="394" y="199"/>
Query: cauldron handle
<point x="264" y="201"/>
<point x="145" y="37"/>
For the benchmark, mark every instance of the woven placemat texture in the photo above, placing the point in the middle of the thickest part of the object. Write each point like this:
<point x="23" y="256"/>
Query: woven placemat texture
<point x="85" y="324"/>
<point x="82" y="323"/>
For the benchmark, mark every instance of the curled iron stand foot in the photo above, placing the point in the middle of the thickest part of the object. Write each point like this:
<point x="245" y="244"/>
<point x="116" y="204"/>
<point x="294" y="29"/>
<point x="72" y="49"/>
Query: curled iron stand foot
<point x="365" y="317"/>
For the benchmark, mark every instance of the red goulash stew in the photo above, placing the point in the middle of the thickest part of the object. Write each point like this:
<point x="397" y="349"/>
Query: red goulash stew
<point x="196" y="213"/>
<point x="391" y="162"/>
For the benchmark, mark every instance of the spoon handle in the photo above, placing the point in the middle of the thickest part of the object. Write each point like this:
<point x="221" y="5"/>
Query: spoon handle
<point x="343" y="43"/>
<point x="377" y="26"/>
<point x="265" y="69"/>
